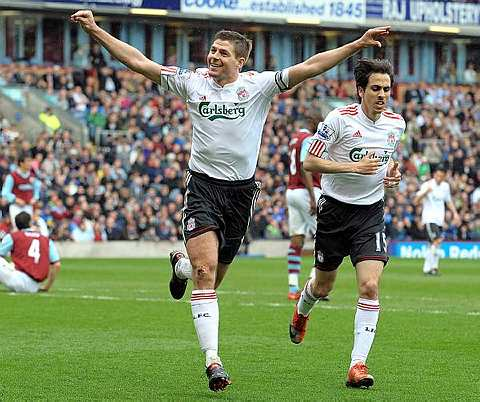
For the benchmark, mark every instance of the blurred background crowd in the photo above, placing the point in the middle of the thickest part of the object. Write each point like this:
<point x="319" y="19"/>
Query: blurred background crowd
<point x="125" y="182"/>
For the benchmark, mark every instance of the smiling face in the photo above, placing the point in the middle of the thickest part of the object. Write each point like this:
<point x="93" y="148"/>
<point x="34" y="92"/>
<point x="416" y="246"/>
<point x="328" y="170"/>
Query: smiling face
<point x="223" y="65"/>
<point x="375" y="95"/>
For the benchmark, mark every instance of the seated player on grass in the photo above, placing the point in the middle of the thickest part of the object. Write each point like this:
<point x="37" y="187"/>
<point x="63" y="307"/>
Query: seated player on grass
<point x="35" y="260"/>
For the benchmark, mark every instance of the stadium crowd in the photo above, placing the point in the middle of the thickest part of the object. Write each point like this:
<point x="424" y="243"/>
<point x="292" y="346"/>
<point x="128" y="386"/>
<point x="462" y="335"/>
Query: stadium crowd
<point x="126" y="181"/>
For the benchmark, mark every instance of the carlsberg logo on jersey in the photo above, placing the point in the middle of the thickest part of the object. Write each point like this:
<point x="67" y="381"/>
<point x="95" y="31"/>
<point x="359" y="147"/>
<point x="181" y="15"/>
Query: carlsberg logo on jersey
<point x="214" y="111"/>
<point x="357" y="154"/>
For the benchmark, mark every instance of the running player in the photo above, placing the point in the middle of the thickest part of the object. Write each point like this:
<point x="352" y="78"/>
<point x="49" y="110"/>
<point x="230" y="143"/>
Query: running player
<point x="228" y="110"/>
<point x="35" y="259"/>
<point x="302" y="195"/>
<point x="434" y="194"/>
<point x="21" y="188"/>
<point x="352" y="149"/>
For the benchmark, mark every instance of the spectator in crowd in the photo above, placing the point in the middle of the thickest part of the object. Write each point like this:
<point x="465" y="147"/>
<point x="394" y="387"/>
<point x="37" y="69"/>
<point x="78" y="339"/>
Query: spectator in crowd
<point x="470" y="75"/>
<point x="50" y="120"/>
<point x="152" y="141"/>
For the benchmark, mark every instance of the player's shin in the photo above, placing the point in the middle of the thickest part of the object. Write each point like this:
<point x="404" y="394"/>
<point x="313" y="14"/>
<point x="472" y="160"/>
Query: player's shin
<point x="294" y="265"/>
<point x="307" y="299"/>
<point x="366" y="318"/>
<point x="434" y="252"/>
<point x="205" y="319"/>
<point x="427" y="264"/>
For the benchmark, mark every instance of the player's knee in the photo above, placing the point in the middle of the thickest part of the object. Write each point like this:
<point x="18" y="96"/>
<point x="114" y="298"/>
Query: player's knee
<point x="204" y="272"/>
<point x="322" y="288"/>
<point x="369" y="289"/>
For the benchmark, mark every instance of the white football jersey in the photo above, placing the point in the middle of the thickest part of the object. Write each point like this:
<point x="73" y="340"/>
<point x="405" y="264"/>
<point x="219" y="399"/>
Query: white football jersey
<point x="434" y="202"/>
<point x="227" y="121"/>
<point x="347" y="135"/>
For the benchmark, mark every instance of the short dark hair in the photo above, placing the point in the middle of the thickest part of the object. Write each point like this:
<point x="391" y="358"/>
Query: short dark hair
<point x="366" y="67"/>
<point x="440" y="168"/>
<point x="240" y="43"/>
<point x="24" y="155"/>
<point x="22" y="220"/>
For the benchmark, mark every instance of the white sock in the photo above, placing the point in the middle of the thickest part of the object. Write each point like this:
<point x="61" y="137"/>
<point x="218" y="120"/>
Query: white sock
<point x="434" y="256"/>
<point x="205" y="319"/>
<point x="183" y="268"/>
<point x="427" y="264"/>
<point x="307" y="300"/>
<point x="293" y="281"/>
<point x="366" y="318"/>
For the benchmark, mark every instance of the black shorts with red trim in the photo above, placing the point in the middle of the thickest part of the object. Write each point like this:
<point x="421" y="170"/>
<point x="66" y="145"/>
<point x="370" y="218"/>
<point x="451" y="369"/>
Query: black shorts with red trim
<point x="348" y="229"/>
<point x="219" y="205"/>
<point x="433" y="232"/>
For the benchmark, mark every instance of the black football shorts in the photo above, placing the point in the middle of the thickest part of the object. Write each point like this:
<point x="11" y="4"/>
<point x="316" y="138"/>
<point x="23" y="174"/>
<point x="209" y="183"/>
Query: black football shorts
<point x="433" y="231"/>
<point x="348" y="229"/>
<point x="219" y="205"/>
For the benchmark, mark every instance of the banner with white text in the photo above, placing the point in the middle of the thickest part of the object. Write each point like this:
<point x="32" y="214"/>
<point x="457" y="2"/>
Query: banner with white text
<point x="417" y="249"/>
<point x="346" y="11"/>
<point x="159" y="4"/>
<point x="441" y="12"/>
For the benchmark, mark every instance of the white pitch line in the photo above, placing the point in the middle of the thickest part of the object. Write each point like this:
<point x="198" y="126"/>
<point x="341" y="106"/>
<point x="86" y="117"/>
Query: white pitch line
<point x="322" y="305"/>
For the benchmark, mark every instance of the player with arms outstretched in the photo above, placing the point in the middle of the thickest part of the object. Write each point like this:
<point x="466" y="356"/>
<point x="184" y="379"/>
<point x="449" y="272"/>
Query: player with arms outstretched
<point x="434" y="194"/>
<point x="352" y="149"/>
<point x="35" y="259"/>
<point x="228" y="110"/>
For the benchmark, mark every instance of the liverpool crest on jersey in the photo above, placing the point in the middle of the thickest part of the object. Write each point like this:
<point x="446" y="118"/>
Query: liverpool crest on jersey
<point x="242" y="93"/>
<point x="190" y="224"/>
<point x="391" y="140"/>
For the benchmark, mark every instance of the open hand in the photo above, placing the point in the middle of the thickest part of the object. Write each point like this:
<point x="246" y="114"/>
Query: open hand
<point x="374" y="36"/>
<point x="85" y="19"/>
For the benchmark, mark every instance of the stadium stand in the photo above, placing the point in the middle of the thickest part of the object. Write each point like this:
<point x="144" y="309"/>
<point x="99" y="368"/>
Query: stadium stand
<point x="125" y="180"/>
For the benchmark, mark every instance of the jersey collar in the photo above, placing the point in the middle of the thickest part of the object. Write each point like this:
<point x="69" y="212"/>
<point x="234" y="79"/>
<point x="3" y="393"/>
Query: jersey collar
<point x="226" y="86"/>
<point x="367" y="119"/>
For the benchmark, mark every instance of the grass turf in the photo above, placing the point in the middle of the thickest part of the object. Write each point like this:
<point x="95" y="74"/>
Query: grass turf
<point x="109" y="330"/>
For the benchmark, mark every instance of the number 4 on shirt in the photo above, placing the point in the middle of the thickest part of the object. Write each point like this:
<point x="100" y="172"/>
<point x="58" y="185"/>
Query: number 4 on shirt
<point x="34" y="250"/>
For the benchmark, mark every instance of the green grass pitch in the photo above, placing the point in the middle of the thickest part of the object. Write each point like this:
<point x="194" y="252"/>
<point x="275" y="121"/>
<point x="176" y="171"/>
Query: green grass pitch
<point x="110" y="331"/>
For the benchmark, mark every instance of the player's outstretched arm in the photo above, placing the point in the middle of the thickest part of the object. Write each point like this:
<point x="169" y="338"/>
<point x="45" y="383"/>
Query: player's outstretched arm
<point x="123" y="52"/>
<point x="52" y="275"/>
<point x="322" y="62"/>
<point x="367" y="165"/>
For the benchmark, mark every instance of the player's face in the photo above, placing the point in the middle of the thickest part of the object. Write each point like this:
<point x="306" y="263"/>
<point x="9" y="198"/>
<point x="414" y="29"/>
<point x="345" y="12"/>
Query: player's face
<point x="222" y="63"/>
<point x="439" y="176"/>
<point x="26" y="164"/>
<point x="376" y="94"/>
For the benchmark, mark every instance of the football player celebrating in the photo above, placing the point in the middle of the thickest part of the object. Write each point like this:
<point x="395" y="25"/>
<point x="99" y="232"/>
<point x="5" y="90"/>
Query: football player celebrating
<point x="352" y="149"/>
<point x="228" y="109"/>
